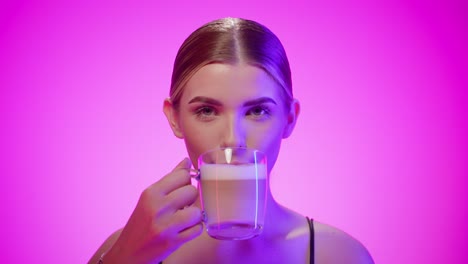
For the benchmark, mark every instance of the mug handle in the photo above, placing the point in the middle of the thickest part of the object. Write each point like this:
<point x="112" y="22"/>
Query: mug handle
<point x="195" y="174"/>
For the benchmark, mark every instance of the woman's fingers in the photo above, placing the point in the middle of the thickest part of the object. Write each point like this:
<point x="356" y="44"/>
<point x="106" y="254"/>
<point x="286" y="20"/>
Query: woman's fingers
<point x="188" y="222"/>
<point x="182" y="197"/>
<point x="179" y="177"/>
<point x="183" y="225"/>
<point x="190" y="233"/>
<point x="184" y="218"/>
<point x="164" y="219"/>
<point x="192" y="215"/>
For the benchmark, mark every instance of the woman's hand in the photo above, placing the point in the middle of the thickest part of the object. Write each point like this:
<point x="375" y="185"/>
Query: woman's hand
<point x="162" y="221"/>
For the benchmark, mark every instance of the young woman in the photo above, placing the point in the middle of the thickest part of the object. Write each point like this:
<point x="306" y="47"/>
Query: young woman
<point x="231" y="86"/>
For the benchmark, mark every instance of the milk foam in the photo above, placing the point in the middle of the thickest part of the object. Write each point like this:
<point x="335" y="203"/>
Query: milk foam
<point x="233" y="172"/>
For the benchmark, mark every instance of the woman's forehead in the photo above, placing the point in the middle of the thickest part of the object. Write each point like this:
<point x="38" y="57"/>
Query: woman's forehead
<point x="231" y="82"/>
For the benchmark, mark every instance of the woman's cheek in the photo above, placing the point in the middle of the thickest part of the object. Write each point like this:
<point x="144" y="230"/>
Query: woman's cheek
<point x="269" y="141"/>
<point x="200" y="140"/>
<point x="266" y="136"/>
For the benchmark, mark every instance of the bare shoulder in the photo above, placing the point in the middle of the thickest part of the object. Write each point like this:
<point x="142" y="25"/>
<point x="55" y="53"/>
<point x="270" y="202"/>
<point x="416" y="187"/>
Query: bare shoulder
<point x="333" y="245"/>
<point x="108" y="243"/>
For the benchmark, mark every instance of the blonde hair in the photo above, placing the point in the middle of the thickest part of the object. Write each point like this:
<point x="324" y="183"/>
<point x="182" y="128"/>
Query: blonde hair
<point x="232" y="41"/>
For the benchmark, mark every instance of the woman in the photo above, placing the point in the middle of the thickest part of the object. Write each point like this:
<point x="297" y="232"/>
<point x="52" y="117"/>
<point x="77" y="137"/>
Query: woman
<point x="231" y="86"/>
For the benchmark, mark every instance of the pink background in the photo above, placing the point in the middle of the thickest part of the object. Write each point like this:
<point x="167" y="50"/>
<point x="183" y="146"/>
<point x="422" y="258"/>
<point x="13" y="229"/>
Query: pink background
<point x="379" y="151"/>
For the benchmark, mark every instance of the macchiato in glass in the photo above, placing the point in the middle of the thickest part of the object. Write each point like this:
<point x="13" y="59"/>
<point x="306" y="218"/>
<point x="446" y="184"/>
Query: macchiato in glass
<point x="233" y="186"/>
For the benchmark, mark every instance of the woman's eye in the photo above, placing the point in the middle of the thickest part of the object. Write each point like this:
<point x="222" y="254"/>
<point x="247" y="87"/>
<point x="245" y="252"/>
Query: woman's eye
<point x="259" y="111"/>
<point x="205" y="111"/>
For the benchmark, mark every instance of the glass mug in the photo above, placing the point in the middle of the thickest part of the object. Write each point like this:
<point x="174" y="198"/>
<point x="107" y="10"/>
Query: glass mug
<point x="233" y="185"/>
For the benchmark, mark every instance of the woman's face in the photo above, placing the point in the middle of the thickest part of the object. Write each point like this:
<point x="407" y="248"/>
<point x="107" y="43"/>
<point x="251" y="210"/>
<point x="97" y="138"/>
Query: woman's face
<point x="225" y="105"/>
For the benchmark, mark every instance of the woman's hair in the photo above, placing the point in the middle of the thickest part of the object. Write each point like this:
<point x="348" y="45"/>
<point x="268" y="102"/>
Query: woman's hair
<point x="231" y="41"/>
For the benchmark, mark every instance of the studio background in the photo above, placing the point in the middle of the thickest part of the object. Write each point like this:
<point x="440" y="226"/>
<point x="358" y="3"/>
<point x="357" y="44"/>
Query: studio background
<point x="379" y="149"/>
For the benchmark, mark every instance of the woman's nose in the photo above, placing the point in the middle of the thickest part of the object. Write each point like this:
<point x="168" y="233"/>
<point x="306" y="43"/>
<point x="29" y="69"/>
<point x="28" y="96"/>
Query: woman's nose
<point x="234" y="133"/>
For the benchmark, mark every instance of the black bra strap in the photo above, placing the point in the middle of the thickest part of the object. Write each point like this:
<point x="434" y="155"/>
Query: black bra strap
<point x="312" y="239"/>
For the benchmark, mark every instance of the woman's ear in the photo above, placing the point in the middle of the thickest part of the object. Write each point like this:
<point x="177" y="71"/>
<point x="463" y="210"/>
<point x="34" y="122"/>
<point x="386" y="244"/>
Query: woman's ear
<point x="171" y="115"/>
<point x="293" y="114"/>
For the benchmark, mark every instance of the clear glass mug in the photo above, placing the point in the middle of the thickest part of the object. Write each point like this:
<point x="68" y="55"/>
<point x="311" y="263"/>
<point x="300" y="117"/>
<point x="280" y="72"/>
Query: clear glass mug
<point x="233" y="184"/>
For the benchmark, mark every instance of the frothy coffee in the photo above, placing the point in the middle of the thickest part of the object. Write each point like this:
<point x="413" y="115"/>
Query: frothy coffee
<point x="233" y="195"/>
<point x="233" y="172"/>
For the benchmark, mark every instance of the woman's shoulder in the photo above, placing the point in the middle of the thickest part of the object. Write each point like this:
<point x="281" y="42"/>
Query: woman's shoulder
<point x="333" y="245"/>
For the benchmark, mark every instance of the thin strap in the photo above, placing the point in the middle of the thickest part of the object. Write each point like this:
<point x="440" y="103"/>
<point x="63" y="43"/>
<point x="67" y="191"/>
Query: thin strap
<point x="312" y="239"/>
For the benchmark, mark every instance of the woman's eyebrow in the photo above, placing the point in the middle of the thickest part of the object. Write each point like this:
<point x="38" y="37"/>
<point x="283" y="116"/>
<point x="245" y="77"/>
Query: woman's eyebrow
<point x="208" y="100"/>
<point x="203" y="99"/>
<point x="259" y="101"/>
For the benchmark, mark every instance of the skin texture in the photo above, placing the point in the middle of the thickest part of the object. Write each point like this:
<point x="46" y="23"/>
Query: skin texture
<point x="237" y="118"/>
<point x="224" y="106"/>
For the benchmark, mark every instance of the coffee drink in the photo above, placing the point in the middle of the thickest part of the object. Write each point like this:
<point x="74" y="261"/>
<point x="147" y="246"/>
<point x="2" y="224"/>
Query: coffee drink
<point x="233" y="199"/>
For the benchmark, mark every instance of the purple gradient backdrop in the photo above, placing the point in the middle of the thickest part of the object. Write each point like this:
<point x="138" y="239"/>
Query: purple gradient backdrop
<point x="379" y="151"/>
